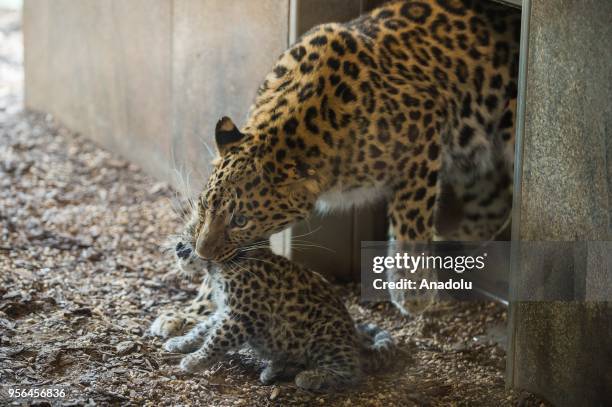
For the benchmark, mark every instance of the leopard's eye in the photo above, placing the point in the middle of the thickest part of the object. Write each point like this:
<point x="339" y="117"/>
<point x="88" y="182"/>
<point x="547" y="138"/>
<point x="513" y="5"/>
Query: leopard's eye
<point x="239" y="220"/>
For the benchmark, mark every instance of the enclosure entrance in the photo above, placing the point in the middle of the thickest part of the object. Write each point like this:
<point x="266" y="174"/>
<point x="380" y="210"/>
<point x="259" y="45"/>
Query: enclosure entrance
<point x="342" y="233"/>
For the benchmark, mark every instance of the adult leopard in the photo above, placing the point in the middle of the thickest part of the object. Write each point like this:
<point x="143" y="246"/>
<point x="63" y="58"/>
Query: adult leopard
<point x="409" y="100"/>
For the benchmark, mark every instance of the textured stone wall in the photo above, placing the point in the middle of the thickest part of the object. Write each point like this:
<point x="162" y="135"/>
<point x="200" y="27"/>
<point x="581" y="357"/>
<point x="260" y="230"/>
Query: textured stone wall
<point x="563" y="350"/>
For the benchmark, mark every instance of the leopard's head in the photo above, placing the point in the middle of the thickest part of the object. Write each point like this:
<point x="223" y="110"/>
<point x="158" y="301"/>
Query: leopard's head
<point x="254" y="190"/>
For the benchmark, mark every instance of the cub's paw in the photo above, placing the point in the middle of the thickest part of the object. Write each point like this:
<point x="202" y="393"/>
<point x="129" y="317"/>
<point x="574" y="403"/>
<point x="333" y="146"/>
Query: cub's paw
<point x="194" y="362"/>
<point x="181" y="344"/>
<point x="276" y="371"/>
<point x="269" y="375"/>
<point x="416" y="302"/>
<point x="325" y="380"/>
<point x="311" y="380"/>
<point x="167" y="324"/>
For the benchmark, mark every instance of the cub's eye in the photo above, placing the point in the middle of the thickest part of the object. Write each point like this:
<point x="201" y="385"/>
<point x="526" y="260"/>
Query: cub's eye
<point x="239" y="220"/>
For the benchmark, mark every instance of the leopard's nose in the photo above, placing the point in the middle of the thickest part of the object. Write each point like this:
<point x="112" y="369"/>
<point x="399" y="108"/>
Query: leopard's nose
<point x="182" y="251"/>
<point x="200" y="248"/>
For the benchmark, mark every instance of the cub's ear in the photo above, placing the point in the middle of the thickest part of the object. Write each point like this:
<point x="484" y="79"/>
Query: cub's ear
<point x="226" y="135"/>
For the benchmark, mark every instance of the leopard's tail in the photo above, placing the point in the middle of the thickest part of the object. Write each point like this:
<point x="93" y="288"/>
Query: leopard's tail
<point x="378" y="349"/>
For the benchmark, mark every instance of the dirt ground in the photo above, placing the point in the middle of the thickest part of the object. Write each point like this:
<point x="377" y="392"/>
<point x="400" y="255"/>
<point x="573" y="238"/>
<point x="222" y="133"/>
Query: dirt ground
<point x="82" y="278"/>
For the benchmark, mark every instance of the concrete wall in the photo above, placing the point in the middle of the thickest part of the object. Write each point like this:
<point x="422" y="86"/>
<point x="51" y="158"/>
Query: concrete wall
<point x="563" y="350"/>
<point x="103" y="68"/>
<point x="221" y="52"/>
<point x="10" y="4"/>
<point x="148" y="78"/>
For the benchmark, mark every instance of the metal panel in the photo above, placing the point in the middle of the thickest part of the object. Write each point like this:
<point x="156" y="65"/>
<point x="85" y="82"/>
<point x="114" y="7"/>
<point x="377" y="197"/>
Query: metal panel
<point x="513" y="3"/>
<point x="340" y="233"/>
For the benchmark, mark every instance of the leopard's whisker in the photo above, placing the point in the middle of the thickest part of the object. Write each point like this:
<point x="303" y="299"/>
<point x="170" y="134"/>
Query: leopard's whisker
<point x="302" y="241"/>
<point x="308" y="233"/>
<point x="183" y="189"/>
<point x="235" y="263"/>
<point x="252" y="249"/>
<point x="307" y="243"/>
<point x="209" y="150"/>
<point x="182" y="206"/>
<point x="303" y="246"/>
<point x="261" y="260"/>
<point x="257" y="245"/>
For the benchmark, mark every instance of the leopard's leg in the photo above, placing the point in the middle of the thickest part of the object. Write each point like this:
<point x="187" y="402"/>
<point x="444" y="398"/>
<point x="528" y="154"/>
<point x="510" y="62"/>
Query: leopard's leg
<point x="335" y="363"/>
<point x="323" y="379"/>
<point x="173" y="322"/>
<point x="170" y="323"/>
<point x="193" y="339"/>
<point x="411" y="215"/>
<point x="476" y="209"/>
<point x="224" y="335"/>
<point x="475" y="201"/>
<point x="336" y="372"/>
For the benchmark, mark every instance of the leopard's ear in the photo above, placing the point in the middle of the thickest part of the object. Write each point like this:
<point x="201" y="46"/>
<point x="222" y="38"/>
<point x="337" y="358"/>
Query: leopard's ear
<point x="227" y="135"/>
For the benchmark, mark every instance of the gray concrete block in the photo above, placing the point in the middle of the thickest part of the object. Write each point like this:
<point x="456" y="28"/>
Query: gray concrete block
<point x="103" y="68"/>
<point x="222" y="50"/>
<point x="149" y="78"/>
<point x="562" y="350"/>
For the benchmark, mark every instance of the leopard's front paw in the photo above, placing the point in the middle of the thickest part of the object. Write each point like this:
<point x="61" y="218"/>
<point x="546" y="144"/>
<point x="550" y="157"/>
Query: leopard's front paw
<point x="195" y="362"/>
<point x="167" y="324"/>
<point x="268" y="375"/>
<point x="277" y="370"/>
<point x="414" y="302"/>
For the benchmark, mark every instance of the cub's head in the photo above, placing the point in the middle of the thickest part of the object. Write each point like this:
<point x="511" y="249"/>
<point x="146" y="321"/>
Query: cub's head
<point x="257" y="188"/>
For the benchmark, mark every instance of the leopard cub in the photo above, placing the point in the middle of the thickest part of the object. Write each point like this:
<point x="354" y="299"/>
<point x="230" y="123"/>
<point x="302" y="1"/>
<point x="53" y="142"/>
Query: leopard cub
<point x="290" y="316"/>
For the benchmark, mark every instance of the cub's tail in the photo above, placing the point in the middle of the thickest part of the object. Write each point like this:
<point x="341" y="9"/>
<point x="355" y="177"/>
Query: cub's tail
<point x="378" y="348"/>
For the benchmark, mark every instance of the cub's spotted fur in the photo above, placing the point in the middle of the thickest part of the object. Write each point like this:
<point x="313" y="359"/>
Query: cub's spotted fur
<point x="289" y="315"/>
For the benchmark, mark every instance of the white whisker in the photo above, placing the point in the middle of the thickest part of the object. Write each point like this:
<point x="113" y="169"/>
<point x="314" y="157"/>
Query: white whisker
<point x="304" y="246"/>
<point x="261" y="260"/>
<point x="209" y="150"/>
<point x="308" y="233"/>
<point x="237" y="264"/>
